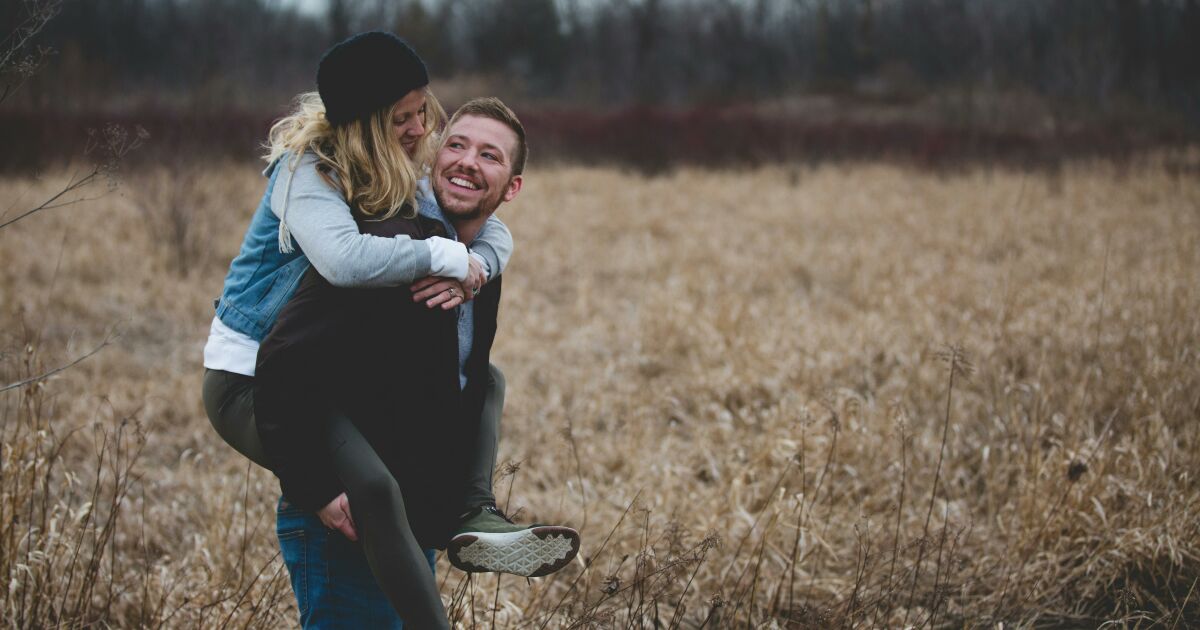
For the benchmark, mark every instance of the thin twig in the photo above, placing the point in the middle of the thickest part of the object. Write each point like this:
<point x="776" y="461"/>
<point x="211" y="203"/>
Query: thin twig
<point x="1046" y="521"/>
<point x="899" y="510"/>
<point x="41" y="377"/>
<point x="676" y="616"/>
<point x="571" y="587"/>
<point x="1185" y="603"/>
<point x="937" y="565"/>
<point x="955" y="357"/>
<point x="583" y="502"/>
<point x="770" y="499"/>
<point x="49" y="204"/>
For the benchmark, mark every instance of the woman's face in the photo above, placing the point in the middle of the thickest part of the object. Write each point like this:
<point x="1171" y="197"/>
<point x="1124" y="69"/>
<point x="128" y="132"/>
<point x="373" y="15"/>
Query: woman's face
<point x="408" y="119"/>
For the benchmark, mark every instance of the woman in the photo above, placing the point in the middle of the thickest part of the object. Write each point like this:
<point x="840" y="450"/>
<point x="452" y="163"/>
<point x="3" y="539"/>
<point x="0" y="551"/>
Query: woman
<point x="362" y="142"/>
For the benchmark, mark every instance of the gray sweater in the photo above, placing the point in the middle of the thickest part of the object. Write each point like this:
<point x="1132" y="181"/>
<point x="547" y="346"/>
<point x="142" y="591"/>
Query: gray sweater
<point x="319" y="220"/>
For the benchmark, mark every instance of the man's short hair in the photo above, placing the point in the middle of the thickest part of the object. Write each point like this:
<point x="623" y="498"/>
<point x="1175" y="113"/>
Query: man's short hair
<point x="494" y="108"/>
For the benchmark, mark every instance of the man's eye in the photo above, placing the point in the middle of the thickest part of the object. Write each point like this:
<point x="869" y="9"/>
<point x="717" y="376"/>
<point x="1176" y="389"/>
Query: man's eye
<point x="491" y="156"/>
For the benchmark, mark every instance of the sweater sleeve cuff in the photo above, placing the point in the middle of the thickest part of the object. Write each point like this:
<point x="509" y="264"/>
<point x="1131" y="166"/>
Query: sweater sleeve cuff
<point x="447" y="258"/>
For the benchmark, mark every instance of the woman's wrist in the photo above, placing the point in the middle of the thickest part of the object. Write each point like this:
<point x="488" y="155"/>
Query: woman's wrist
<point x="483" y="263"/>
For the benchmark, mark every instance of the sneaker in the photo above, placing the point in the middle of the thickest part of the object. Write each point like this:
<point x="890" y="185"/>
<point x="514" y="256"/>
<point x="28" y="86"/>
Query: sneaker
<point x="487" y="541"/>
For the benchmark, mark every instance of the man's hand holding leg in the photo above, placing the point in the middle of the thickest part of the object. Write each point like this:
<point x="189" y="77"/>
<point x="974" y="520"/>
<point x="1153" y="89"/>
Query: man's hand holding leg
<point x="336" y="516"/>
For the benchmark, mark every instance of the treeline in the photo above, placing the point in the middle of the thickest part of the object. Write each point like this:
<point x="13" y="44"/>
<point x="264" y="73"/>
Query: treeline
<point x="646" y="83"/>
<point x="255" y="53"/>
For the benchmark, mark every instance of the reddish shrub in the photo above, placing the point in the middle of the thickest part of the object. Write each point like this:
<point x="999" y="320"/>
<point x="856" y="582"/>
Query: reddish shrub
<point x="650" y="139"/>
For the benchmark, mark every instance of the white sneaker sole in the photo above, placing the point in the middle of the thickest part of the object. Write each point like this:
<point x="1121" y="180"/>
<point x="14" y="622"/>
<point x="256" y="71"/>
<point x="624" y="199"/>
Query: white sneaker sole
<point x="532" y="552"/>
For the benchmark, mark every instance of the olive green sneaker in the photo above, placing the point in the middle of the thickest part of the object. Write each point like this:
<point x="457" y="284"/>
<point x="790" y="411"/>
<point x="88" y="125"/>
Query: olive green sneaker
<point x="487" y="541"/>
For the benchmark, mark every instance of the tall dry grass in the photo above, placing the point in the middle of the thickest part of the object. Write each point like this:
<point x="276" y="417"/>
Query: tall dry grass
<point x="809" y="397"/>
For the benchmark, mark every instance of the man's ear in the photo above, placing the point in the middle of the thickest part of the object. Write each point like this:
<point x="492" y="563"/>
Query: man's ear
<point x="514" y="187"/>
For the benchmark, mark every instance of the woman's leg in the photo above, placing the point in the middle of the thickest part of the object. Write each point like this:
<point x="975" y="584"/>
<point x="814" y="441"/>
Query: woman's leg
<point x="229" y="401"/>
<point x="377" y="507"/>
<point x="482" y="462"/>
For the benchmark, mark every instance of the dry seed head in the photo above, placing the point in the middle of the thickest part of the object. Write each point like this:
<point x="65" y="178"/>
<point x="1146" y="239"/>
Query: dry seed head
<point x="1076" y="470"/>
<point x="611" y="585"/>
<point x="1127" y="597"/>
<point x="804" y="416"/>
<point x="958" y="360"/>
<point x="899" y="415"/>
<point x="829" y="400"/>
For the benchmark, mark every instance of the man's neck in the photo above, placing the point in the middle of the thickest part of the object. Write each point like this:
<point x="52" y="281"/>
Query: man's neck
<point x="467" y="229"/>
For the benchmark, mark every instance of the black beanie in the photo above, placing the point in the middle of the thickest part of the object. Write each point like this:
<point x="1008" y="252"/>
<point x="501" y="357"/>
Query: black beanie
<point x="366" y="73"/>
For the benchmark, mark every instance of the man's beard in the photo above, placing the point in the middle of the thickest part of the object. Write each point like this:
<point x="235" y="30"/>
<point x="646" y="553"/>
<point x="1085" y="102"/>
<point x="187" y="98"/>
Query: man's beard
<point x="457" y="215"/>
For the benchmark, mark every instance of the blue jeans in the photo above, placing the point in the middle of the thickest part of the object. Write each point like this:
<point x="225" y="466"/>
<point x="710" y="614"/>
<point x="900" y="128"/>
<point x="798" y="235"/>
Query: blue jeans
<point x="333" y="585"/>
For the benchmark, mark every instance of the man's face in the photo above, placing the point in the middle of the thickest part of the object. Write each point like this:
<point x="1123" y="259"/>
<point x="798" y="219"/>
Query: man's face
<point x="472" y="171"/>
<point x="408" y="119"/>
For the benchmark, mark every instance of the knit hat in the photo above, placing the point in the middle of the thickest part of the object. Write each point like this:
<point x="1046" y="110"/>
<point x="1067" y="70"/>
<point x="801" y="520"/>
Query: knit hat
<point x="366" y="73"/>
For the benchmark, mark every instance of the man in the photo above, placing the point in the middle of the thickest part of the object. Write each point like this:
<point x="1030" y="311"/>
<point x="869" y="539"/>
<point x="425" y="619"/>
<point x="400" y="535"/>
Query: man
<point x="478" y="168"/>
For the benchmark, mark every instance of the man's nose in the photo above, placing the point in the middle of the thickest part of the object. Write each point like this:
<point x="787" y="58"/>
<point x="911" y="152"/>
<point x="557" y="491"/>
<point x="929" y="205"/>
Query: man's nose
<point x="468" y="160"/>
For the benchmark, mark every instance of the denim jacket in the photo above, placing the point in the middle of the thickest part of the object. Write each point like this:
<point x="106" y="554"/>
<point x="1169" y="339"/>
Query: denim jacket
<point x="260" y="278"/>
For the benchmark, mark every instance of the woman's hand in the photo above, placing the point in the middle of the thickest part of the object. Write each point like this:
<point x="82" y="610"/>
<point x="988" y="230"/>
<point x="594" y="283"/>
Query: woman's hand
<point x="476" y="278"/>
<point x="336" y="516"/>
<point x="444" y="292"/>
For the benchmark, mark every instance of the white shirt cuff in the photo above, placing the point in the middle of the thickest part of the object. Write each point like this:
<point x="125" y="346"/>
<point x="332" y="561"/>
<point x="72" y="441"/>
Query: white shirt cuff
<point x="447" y="258"/>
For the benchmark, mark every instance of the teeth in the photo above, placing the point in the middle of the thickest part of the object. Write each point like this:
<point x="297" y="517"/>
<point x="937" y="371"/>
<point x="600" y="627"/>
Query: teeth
<point x="458" y="181"/>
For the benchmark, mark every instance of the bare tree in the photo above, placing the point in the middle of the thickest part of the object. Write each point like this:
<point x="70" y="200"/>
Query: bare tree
<point x="19" y="57"/>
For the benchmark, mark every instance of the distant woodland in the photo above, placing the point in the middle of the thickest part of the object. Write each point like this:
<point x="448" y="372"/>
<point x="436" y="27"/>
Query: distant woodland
<point x="995" y="64"/>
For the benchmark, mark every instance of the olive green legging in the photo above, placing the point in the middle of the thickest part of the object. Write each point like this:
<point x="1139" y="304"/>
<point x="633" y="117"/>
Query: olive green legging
<point x="376" y="503"/>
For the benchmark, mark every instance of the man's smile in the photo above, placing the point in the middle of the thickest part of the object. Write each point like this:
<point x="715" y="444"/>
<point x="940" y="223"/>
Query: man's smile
<point x="462" y="182"/>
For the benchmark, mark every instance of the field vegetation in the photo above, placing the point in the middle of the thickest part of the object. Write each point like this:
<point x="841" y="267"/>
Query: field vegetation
<point x="860" y="395"/>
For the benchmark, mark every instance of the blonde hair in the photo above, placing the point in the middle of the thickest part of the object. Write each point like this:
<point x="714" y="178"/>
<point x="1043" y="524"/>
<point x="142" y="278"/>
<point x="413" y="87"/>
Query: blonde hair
<point x="362" y="159"/>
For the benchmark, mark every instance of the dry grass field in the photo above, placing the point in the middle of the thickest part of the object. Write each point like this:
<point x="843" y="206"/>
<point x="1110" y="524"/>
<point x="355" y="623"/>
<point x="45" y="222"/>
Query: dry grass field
<point x="861" y="396"/>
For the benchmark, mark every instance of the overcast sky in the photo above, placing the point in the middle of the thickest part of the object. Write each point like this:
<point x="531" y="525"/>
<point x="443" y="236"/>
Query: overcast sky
<point x="308" y="6"/>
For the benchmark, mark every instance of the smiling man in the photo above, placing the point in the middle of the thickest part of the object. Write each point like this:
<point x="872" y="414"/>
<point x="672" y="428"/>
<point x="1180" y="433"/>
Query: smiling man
<point x="413" y="445"/>
<point x="479" y="167"/>
<point x="475" y="171"/>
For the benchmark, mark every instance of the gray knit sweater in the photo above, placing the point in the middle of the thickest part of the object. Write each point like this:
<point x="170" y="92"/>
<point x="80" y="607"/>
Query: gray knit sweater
<point x="319" y="220"/>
